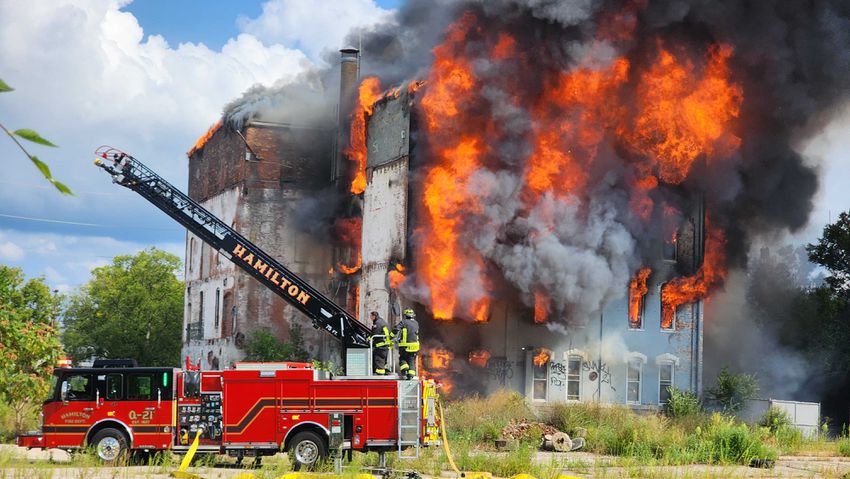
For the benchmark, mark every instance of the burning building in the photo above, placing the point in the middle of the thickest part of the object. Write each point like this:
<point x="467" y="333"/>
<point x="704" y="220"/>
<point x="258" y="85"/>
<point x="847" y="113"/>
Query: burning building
<point x="629" y="351"/>
<point x="556" y="190"/>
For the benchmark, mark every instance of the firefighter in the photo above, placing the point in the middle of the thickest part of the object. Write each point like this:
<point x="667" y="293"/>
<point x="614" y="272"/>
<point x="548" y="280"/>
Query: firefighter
<point x="407" y="334"/>
<point x="381" y="344"/>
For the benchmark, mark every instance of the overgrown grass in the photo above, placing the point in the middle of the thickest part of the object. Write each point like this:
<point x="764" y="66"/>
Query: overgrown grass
<point x="480" y="420"/>
<point x="843" y="446"/>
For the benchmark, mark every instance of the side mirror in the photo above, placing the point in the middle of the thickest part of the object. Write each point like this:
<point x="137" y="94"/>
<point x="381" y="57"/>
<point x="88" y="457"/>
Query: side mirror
<point x="64" y="391"/>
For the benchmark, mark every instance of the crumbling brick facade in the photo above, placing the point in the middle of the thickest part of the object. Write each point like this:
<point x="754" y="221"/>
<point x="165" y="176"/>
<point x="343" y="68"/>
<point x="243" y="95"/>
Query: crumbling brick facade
<point x="256" y="180"/>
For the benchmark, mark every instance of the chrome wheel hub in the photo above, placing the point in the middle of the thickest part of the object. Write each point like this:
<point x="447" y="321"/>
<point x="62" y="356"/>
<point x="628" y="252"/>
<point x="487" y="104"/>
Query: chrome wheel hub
<point x="306" y="452"/>
<point x="108" y="448"/>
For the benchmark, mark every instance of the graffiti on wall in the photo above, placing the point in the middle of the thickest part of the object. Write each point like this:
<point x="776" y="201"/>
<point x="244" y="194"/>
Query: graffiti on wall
<point x="599" y="374"/>
<point x="501" y="370"/>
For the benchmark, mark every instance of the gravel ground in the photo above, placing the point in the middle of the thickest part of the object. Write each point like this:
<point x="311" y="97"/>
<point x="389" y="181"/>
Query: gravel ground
<point x="20" y="463"/>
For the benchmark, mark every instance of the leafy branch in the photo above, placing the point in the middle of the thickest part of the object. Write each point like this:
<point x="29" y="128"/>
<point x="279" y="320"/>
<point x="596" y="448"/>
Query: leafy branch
<point x="31" y="135"/>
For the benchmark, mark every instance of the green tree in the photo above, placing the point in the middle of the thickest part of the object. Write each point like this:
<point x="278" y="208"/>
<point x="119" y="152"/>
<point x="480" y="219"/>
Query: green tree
<point x="132" y="308"/>
<point x="732" y="390"/>
<point x="832" y="251"/>
<point x="264" y="346"/>
<point x="29" y="344"/>
<point x="34" y="137"/>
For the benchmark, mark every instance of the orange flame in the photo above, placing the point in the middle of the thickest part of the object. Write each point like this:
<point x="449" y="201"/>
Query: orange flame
<point x="666" y="114"/>
<point x="440" y="358"/>
<point x="479" y="358"/>
<point x="542" y="302"/>
<point x="637" y="292"/>
<point x="446" y="201"/>
<point x="688" y="289"/>
<point x="345" y="269"/>
<point x="368" y="93"/>
<point x="441" y="376"/>
<point x="682" y="116"/>
<point x="541" y="356"/>
<point x="205" y="138"/>
<point x="396" y="276"/>
<point x="348" y="232"/>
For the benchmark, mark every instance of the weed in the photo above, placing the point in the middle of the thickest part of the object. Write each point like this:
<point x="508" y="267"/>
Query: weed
<point x="682" y="404"/>
<point x="843" y="446"/>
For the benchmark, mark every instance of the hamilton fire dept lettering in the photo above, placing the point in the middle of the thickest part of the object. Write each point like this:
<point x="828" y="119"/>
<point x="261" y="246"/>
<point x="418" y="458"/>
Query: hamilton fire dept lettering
<point x="274" y="276"/>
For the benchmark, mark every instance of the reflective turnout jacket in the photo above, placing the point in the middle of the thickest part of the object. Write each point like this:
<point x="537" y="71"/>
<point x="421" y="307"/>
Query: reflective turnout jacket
<point x="407" y="334"/>
<point x="382" y="328"/>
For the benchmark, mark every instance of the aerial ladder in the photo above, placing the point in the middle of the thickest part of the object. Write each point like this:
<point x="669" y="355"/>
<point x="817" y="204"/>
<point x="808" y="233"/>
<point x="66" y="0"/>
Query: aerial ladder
<point x="324" y="313"/>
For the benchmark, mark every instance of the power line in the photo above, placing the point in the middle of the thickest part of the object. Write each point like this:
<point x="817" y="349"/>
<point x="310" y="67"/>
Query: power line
<point x="77" y="223"/>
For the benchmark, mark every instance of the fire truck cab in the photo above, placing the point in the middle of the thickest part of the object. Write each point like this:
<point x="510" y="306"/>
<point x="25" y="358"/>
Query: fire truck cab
<point x="256" y="409"/>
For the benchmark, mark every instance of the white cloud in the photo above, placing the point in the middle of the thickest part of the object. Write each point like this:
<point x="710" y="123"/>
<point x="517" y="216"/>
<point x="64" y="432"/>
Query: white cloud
<point x="70" y="263"/>
<point x="85" y="75"/>
<point x="10" y="251"/>
<point x="313" y="25"/>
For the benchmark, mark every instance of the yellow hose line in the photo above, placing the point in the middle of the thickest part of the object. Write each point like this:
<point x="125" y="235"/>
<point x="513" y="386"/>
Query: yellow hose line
<point x="446" y="441"/>
<point x="187" y="459"/>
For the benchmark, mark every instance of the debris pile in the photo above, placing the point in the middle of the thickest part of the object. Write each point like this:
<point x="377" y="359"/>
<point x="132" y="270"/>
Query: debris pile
<point x="551" y="439"/>
<point x="522" y="430"/>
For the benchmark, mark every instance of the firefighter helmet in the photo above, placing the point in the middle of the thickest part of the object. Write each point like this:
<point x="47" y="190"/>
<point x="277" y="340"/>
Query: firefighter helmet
<point x="408" y="313"/>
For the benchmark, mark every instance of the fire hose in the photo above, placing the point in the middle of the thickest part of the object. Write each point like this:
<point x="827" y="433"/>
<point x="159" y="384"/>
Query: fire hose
<point x="187" y="459"/>
<point x="448" y="451"/>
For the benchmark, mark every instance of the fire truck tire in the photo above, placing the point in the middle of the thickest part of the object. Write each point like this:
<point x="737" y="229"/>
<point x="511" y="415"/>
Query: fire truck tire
<point x="306" y="450"/>
<point x="110" y="445"/>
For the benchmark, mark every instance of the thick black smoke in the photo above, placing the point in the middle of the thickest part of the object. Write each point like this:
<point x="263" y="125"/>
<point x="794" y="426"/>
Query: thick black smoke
<point x="793" y="59"/>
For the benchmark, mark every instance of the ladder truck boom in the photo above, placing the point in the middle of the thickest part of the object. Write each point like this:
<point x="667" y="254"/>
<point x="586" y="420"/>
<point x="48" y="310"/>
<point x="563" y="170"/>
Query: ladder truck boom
<point x="325" y="314"/>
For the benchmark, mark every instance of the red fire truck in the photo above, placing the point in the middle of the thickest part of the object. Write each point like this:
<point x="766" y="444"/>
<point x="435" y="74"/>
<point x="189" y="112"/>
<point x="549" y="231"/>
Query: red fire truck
<point x="256" y="409"/>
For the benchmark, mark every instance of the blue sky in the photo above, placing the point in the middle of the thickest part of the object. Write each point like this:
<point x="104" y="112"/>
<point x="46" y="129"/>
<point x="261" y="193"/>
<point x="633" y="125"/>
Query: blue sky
<point x="149" y="77"/>
<point x="211" y="22"/>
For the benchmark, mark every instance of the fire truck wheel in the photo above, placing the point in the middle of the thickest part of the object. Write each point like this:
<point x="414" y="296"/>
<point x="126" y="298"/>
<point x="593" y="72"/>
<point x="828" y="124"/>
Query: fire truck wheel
<point x="110" y="445"/>
<point x="306" y="449"/>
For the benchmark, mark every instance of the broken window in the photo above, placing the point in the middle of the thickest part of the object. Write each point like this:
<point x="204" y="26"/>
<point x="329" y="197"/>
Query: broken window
<point x="201" y="314"/>
<point x="217" y="305"/>
<point x="633" y="377"/>
<point x="669" y="250"/>
<point x="540" y="373"/>
<point x="573" y="378"/>
<point x="668" y="313"/>
<point x="637" y="298"/>
<point x="665" y="382"/>
<point x="191" y="252"/>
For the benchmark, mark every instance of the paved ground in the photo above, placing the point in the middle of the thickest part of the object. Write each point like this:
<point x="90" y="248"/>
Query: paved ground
<point x="18" y="463"/>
